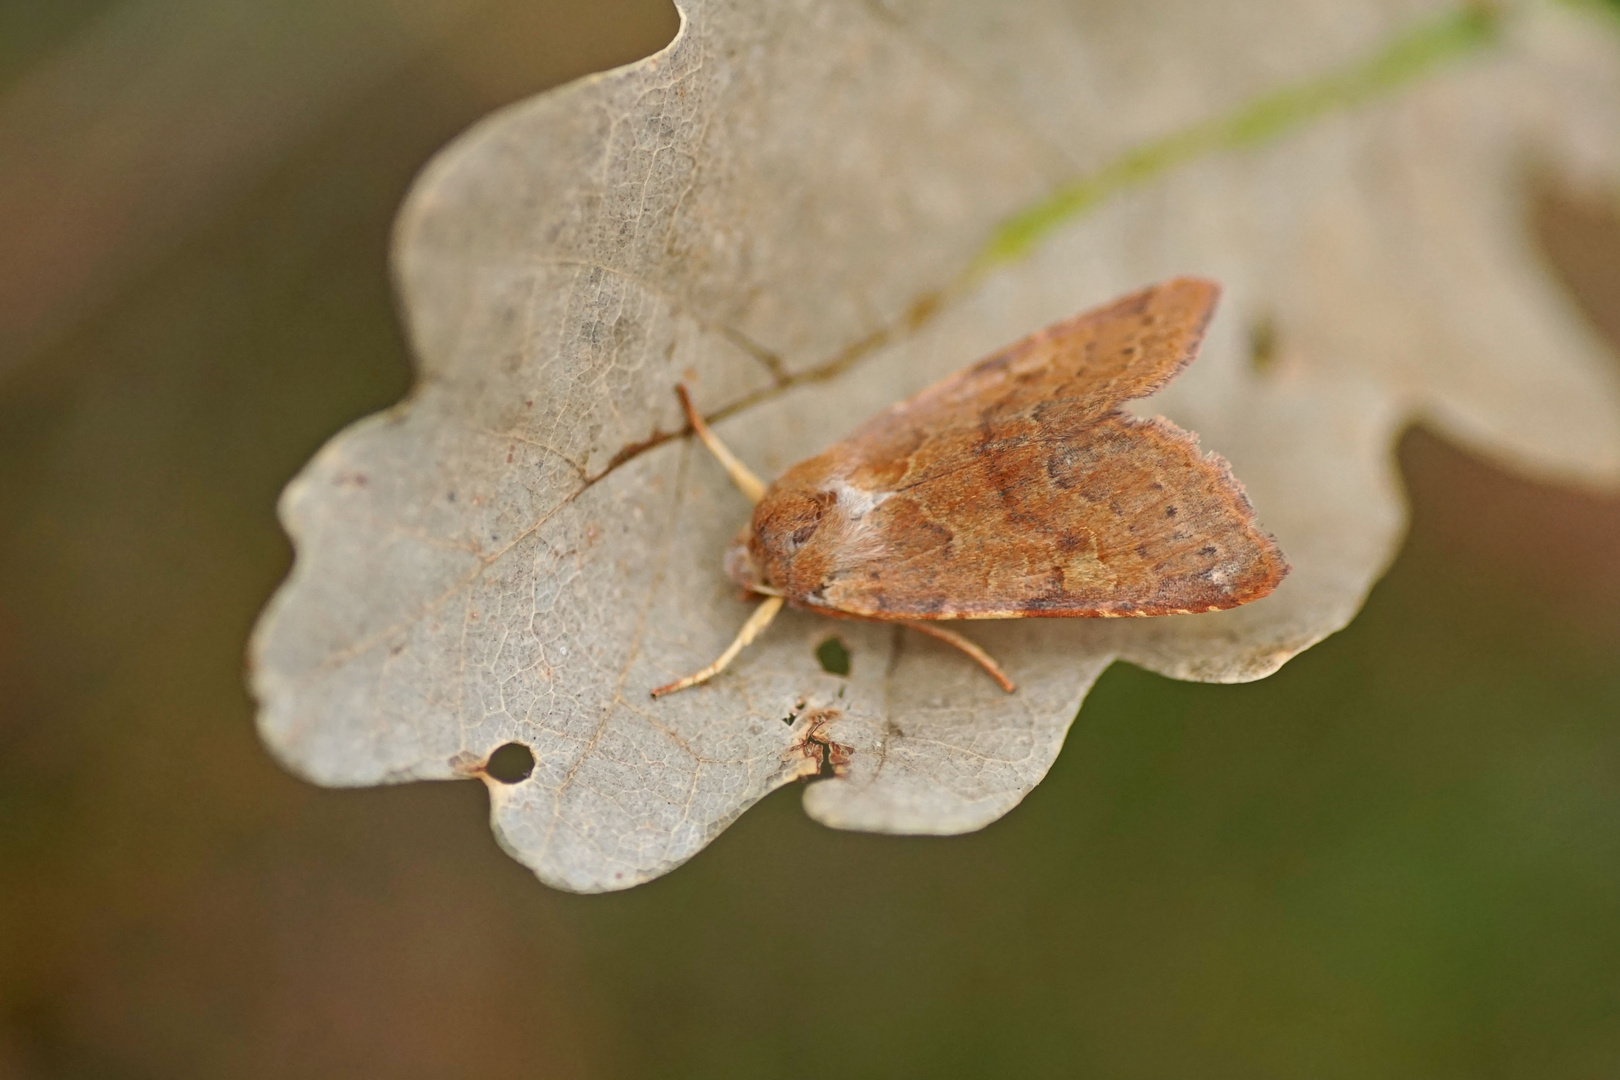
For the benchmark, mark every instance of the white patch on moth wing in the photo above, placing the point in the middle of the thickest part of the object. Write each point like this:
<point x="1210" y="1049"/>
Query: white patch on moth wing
<point x="857" y="542"/>
<point x="857" y="502"/>
<point x="1224" y="573"/>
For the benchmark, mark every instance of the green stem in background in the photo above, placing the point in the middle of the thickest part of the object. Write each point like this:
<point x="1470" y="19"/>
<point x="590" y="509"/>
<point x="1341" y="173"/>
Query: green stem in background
<point x="1408" y="56"/>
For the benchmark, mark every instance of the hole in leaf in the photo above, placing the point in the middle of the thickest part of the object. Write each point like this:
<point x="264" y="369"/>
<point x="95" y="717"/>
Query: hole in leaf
<point x="833" y="657"/>
<point x="825" y="770"/>
<point x="510" y="763"/>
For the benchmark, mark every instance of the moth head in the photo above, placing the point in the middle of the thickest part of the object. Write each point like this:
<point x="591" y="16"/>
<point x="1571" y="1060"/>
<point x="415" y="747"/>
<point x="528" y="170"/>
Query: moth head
<point x="784" y="523"/>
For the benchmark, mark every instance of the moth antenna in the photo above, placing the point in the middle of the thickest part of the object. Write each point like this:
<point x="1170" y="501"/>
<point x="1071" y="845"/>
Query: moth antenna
<point x="951" y="637"/>
<point x="741" y="475"/>
<point x="757" y="622"/>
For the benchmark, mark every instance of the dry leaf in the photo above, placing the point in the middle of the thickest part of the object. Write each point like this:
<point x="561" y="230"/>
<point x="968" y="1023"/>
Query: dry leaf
<point x="778" y="209"/>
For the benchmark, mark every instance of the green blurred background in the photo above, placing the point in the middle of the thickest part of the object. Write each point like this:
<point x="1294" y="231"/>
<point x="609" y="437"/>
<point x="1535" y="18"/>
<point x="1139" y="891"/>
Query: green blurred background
<point x="1400" y="857"/>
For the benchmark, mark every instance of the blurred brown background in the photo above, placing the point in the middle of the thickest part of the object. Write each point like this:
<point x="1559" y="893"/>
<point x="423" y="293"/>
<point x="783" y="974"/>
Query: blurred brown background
<point x="1398" y="857"/>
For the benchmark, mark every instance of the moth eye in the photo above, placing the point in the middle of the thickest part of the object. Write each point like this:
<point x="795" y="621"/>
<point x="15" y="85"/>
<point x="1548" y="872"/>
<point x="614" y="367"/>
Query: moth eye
<point x="795" y="519"/>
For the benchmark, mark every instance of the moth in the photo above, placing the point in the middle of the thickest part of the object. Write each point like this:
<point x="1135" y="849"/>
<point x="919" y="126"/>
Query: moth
<point x="1016" y="488"/>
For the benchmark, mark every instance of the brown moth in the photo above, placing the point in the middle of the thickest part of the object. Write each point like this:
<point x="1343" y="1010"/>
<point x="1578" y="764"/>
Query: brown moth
<point x="1016" y="488"/>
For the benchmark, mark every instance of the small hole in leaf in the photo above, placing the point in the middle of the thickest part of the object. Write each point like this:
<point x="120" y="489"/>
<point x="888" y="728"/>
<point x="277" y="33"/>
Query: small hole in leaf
<point x="510" y="763"/>
<point x="825" y="770"/>
<point x="833" y="657"/>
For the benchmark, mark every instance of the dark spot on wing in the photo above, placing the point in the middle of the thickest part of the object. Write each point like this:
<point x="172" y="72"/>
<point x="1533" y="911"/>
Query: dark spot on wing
<point x="1073" y="541"/>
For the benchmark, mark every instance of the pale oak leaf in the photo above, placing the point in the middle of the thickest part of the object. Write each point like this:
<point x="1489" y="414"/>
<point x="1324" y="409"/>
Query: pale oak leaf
<point x="780" y="209"/>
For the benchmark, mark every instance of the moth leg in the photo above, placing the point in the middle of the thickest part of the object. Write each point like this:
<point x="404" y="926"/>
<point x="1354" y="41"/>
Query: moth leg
<point x="741" y="475"/>
<point x="757" y="622"/>
<point x="951" y="637"/>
